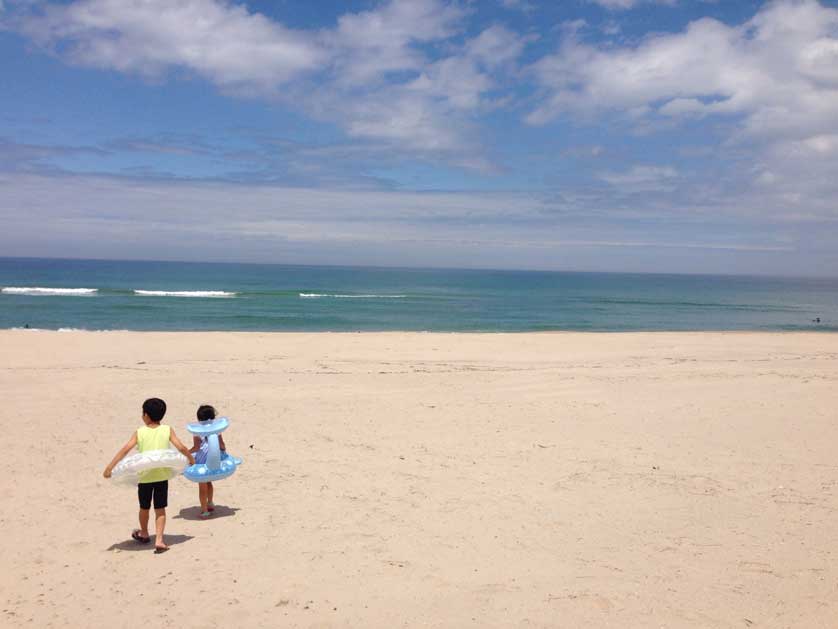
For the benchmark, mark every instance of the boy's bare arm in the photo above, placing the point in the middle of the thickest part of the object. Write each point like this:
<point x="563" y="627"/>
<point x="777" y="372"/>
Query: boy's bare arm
<point x="221" y="443"/>
<point x="129" y="445"/>
<point x="179" y="445"/>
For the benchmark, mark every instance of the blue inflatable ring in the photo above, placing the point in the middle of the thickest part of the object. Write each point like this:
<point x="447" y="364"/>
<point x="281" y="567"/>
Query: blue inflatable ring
<point x="205" y="429"/>
<point x="219" y="464"/>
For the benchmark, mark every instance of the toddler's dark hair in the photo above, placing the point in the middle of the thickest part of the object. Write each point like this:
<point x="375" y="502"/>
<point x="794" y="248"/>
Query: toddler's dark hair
<point x="205" y="413"/>
<point x="155" y="408"/>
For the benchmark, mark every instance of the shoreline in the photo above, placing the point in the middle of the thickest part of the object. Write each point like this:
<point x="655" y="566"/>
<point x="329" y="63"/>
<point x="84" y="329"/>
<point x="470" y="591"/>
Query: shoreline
<point x="824" y="330"/>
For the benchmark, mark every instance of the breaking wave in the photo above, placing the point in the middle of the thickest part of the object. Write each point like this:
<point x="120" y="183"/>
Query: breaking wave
<point x="342" y="296"/>
<point x="40" y="290"/>
<point x="185" y="293"/>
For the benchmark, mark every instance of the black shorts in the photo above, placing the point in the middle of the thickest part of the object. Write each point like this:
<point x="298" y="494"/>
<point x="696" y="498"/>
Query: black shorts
<point x="160" y="492"/>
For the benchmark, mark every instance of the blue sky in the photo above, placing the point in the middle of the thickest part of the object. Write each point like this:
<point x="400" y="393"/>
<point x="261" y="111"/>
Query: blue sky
<point x="638" y="135"/>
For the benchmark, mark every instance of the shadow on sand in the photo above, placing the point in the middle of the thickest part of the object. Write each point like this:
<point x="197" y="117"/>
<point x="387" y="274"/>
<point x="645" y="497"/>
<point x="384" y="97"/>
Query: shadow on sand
<point x="130" y="544"/>
<point x="194" y="513"/>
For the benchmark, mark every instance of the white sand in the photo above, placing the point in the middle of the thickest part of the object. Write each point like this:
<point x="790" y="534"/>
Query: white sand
<point x="443" y="480"/>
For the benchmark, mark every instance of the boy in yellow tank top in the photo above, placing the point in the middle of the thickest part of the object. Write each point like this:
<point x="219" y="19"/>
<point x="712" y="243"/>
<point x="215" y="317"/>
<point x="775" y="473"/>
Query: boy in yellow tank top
<point x="154" y="483"/>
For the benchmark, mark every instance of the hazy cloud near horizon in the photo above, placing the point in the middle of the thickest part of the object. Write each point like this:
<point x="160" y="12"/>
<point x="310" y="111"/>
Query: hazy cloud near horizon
<point x="698" y="138"/>
<point x="187" y="220"/>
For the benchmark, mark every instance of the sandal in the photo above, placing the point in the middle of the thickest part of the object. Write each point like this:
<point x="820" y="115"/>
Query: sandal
<point x="159" y="550"/>
<point x="135" y="535"/>
<point x="211" y="506"/>
<point x="206" y="514"/>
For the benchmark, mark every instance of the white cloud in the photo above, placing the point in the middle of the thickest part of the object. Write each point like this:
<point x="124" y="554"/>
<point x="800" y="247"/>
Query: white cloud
<point x="823" y="144"/>
<point x="370" y="74"/>
<point x="518" y="5"/>
<point x="611" y="28"/>
<point x="455" y="80"/>
<point x="462" y="81"/>
<point x="778" y="72"/>
<point x="231" y="46"/>
<point x="642" y="178"/>
<point x="615" y="4"/>
<point x="796" y="178"/>
<point x="368" y="45"/>
<point x="402" y="118"/>
<point x="222" y="42"/>
<point x="495" y="46"/>
<point x="430" y="112"/>
<point x="772" y="81"/>
<point x="623" y="5"/>
<point x="683" y="107"/>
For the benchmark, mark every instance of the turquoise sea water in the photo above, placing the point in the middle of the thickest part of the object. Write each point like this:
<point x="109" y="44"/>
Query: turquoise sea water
<point x="47" y="293"/>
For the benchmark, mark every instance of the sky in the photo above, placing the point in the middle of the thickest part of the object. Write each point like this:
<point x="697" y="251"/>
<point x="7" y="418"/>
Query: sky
<point x="686" y="136"/>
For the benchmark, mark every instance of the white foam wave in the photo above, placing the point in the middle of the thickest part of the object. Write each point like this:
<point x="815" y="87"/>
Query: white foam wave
<point x="40" y="290"/>
<point x="340" y="296"/>
<point x="184" y="293"/>
<point x="25" y="329"/>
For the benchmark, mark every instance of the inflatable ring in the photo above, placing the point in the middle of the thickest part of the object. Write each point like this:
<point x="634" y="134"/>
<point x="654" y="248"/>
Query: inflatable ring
<point x="205" y="429"/>
<point x="128" y="470"/>
<point x="219" y="464"/>
<point x="201" y="472"/>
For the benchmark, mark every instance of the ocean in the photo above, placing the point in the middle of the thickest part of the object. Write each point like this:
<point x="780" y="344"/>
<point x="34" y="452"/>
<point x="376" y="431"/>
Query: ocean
<point x="120" y="295"/>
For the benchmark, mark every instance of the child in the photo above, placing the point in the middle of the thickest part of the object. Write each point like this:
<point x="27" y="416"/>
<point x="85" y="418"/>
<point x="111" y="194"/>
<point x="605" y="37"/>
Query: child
<point x="154" y="483"/>
<point x="199" y="447"/>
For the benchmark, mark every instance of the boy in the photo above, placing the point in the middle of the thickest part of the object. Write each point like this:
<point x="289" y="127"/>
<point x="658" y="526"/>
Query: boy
<point x="154" y="483"/>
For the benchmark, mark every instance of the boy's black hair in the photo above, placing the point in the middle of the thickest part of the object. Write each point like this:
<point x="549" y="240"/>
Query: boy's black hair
<point x="155" y="408"/>
<point x="205" y="413"/>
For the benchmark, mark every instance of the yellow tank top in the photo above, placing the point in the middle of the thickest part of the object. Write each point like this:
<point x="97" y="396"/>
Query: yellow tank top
<point x="153" y="439"/>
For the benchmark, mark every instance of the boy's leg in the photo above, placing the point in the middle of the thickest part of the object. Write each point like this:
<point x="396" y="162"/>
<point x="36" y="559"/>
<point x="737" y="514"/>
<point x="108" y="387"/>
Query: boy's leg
<point x="144" y="513"/>
<point x="209" y="496"/>
<point x="161" y="501"/>
<point x="144" y="493"/>
<point x="159" y="527"/>
<point x="202" y="496"/>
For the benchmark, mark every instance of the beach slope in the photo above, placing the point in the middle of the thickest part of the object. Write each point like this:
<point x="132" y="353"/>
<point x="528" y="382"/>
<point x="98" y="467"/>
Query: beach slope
<point x="443" y="480"/>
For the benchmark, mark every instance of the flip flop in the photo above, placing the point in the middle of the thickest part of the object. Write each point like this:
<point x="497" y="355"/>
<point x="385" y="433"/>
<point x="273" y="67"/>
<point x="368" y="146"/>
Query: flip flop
<point x="135" y="535"/>
<point x="205" y="514"/>
<point x="211" y="507"/>
<point x="159" y="550"/>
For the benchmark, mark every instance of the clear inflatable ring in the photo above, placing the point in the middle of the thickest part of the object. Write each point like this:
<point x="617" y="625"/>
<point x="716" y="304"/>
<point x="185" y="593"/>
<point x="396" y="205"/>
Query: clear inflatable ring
<point x="128" y="470"/>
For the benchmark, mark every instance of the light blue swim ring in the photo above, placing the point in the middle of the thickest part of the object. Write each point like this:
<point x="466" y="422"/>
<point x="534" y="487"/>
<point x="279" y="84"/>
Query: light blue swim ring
<point x="218" y="464"/>
<point x="205" y="429"/>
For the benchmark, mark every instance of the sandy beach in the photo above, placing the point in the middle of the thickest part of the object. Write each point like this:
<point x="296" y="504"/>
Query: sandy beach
<point x="431" y="480"/>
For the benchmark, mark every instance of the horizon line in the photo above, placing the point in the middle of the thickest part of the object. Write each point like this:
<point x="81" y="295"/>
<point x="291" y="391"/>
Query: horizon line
<point x="427" y="268"/>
